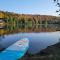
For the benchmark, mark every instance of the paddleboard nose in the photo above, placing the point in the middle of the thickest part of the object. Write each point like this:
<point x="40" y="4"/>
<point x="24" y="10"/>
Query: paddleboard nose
<point x="16" y="50"/>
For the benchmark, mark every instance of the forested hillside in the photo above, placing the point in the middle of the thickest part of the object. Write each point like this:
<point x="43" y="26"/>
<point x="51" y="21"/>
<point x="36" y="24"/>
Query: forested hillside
<point x="10" y="17"/>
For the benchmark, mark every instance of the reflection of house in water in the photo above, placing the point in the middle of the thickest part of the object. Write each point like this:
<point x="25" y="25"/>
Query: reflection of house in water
<point x="2" y="21"/>
<point x="10" y="29"/>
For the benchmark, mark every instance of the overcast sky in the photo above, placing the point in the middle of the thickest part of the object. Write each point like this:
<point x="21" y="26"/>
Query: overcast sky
<point x="42" y="7"/>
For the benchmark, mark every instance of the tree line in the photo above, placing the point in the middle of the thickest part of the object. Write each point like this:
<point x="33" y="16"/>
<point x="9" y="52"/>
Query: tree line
<point x="14" y="18"/>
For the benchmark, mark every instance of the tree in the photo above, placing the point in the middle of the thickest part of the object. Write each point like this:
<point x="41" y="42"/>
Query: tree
<point x="58" y="5"/>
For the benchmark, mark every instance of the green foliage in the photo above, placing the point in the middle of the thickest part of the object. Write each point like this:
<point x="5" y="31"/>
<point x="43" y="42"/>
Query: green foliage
<point x="19" y="19"/>
<point x="30" y="54"/>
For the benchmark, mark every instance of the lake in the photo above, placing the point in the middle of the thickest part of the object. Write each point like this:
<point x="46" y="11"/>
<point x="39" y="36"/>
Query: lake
<point x="40" y="36"/>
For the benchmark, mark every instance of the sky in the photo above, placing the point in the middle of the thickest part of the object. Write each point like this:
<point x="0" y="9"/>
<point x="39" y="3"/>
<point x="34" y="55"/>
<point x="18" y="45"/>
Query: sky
<point x="41" y="7"/>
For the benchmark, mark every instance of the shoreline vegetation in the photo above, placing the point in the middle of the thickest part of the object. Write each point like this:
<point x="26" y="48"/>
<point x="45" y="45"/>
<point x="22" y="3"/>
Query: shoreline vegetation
<point x="50" y="53"/>
<point x="27" y="19"/>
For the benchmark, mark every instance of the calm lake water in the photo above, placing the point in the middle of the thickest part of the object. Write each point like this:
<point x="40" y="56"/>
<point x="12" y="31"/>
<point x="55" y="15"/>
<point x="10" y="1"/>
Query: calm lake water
<point x="40" y="37"/>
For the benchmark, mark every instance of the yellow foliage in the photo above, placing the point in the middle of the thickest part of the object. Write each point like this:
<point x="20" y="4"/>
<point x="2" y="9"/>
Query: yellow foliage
<point x="1" y="15"/>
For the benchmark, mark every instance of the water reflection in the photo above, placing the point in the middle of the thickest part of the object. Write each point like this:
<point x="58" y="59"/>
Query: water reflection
<point x="40" y="36"/>
<point x="10" y="29"/>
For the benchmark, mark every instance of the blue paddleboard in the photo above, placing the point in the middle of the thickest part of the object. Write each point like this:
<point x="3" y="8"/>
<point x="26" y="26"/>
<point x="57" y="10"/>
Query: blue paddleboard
<point x="16" y="50"/>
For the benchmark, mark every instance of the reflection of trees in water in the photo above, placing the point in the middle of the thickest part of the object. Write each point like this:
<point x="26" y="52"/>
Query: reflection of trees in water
<point x="13" y="28"/>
